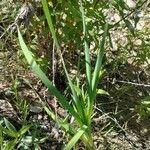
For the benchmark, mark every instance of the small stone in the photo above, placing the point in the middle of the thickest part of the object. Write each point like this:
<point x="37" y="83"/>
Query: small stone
<point x="140" y="25"/>
<point x="35" y="109"/>
<point x="39" y="117"/>
<point x="138" y="42"/>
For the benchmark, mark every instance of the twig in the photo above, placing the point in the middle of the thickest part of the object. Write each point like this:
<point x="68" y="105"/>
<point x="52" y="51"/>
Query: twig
<point x="133" y="83"/>
<point x="9" y="27"/>
<point x="111" y="27"/>
<point x="116" y="122"/>
<point x="23" y="15"/>
<point x="53" y="64"/>
<point x="54" y="71"/>
<point x="113" y="119"/>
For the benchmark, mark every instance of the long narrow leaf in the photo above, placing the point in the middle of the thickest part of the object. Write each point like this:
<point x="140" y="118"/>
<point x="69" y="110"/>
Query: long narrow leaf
<point x="87" y="61"/>
<point x="24" y="129"/>
<point x="8" y="132"/>
<point x="49" y="21"/>
<point x="75" y="139"/>
<point x="51" y="27"/>
<point x="86" y="48"/>
<point x="98" y="65"/>
<point x="10" y="145"/>
<point x="95" y="78"/>
<point x="35" y="67"/>
<point x="9" y="125"/>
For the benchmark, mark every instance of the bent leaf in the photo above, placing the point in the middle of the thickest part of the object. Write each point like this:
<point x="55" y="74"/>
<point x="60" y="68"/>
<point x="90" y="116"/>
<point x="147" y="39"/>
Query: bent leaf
<point x="9" y="125"/>
<point x="8" y="132"/>
<point x="35" y="67"/>
<point x="102" y="92"/>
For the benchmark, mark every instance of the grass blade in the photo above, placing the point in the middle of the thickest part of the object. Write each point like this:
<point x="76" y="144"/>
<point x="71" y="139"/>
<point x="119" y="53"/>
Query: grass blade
<point x="10" y="145"/>
<point x="49" y="21"/>
<point x="98" y="65"/>
<point x="51" y="27"/>
<point x="9" y="132"/>
<point x="9" y="125"/>
<point x="35" y="67"/>
<point x="86" y="49"/>
<point x="87" y="62"/>
<point x="75" y="138"/>
<point x="24" y="129"/>
<point x="96" y="73"/>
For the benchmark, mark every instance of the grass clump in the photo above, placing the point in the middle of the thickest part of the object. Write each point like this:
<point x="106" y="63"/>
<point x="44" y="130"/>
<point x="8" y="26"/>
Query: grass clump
<point x="81" y="107"/>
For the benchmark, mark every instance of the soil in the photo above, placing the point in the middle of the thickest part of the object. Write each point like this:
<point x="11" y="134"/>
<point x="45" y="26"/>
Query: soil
<point x="117" y="123"/>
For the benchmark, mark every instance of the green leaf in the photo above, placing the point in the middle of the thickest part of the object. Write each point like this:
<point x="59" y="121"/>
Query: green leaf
<point x="49" y="21"/>
<point x="74" y="10"/>
<point x="9" y="132"/>
<point x="102" y="92"/>
<point x="51" y="27"/>
<point x="24" y="129"/>
<point x="65" y="125"/>
<point x="86" y="49"/>
<point x="146" y="102"/>
<point x="75" y="138"/>
<point x="9" y="125"/>
<point x="10" y="145"/>
<point x="77" y="89"/>
<point x="35" y="67"/>
<point x="96" y="74"/>
<point x="100" y="56"/>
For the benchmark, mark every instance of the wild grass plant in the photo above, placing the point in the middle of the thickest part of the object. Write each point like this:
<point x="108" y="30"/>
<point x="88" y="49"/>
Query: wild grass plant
<point x="16" y="136"/>
<point x="80" y="108"/>
<point x="76" y="25"/>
